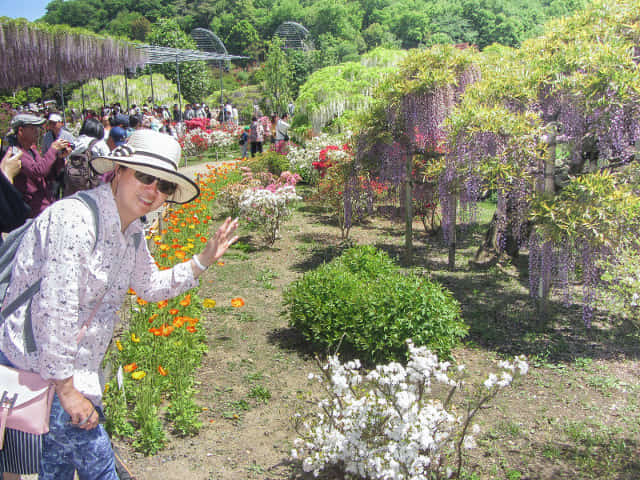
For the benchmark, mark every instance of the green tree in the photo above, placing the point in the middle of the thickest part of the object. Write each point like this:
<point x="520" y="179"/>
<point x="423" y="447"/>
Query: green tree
<point x="195" y="79"/>
<point x="277" y="76"/>
<point x="140" y="28"/>
<point x="243" y="39"/>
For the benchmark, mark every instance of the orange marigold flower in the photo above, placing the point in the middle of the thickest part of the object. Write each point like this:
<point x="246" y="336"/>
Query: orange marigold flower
<point x="164" y="247"/>
<point x="186" y="300"/>
<point x="163" y="255"/>
<point x="156" y="331"/>
<point x="174" y="311"/>
<point x="140" y="301"/>
<point x="130" y="368"/>
<point x="162" y="371"/>
<point x="178" y="322"/>
<point x="203" y="239"/>
<point x="153" y="317"/>
<point x="192" y="321"/>
<point x="166" y="330"/>
<point x="191" y="329"/>
<point x="131" y="291"/>
<point x="163" y="303"/>
<point x="180" y="254"/>
<point x="220" y="264"/>
<point x="237" y="302"/>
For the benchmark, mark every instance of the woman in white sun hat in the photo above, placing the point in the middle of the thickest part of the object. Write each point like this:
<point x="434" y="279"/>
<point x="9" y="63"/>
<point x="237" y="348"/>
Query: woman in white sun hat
<point x="87" y="262"/>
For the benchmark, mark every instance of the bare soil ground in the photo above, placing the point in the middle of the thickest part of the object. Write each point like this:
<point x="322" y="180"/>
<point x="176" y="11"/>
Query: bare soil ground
<point x="575" y="416"/>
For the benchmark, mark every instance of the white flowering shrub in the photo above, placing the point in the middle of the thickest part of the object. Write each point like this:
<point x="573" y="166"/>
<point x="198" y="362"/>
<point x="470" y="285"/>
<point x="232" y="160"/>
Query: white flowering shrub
<point x="222" y="139"/>
<point x="266" y="209"/>
<point x="395" y="422"/>
<point x="301" y="158"/>
<point x="197" y="141"/>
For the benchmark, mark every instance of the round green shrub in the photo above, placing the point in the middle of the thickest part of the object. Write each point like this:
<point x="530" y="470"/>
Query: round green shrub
<point x="363" y="305"/>
<point x="271" y="162"/>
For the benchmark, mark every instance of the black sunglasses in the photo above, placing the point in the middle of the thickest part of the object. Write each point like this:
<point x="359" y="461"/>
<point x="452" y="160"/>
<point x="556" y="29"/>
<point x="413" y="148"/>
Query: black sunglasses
<point x="164" y="186"/>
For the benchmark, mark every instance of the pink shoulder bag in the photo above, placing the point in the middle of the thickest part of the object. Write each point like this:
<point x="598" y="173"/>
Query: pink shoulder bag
<point x="26" y="398"/>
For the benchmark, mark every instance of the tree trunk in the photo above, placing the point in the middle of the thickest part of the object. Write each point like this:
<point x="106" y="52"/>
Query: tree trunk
<point x="452" y="234"/>
<point x="408" y="197"/>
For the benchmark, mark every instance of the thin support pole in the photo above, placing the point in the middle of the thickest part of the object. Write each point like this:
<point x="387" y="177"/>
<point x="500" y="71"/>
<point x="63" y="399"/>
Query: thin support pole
<point x="126" y="88"/>
<point x="64" y="116"/>
<point x="221" y="87"/>
<point x="82" y="95"/>
<point x="151" y="80"/>
<point x="104" y="97"/>
<point x="179" y="95"/>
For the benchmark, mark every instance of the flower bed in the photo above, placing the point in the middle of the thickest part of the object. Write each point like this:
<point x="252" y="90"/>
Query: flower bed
<point x="165" y="340"/>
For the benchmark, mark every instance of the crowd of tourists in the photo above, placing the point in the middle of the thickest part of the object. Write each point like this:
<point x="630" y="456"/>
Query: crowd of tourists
<point x="71" y="266"/>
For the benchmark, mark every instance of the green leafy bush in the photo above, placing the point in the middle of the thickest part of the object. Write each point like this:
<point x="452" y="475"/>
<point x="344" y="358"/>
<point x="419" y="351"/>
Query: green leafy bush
<point x="271" y="162"/>
<point x="363" y="305"/>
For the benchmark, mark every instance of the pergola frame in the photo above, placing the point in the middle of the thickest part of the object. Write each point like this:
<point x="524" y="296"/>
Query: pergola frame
<point x="295" y="36"/>
<point x="35" y="54"/>
<point x="156" y="55"/>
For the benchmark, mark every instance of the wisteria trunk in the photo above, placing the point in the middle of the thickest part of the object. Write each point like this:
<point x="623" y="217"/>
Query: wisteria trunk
<point x="452" y="232"/>
<point x="408" y="233"/>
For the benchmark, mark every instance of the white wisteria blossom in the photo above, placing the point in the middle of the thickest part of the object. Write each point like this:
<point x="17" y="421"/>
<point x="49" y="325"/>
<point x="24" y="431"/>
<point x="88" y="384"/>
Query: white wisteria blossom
<point x="389" y="424"/>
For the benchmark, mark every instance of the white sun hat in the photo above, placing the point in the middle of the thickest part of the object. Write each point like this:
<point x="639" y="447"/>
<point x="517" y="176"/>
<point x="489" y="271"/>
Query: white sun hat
<point x="153" y="153"/>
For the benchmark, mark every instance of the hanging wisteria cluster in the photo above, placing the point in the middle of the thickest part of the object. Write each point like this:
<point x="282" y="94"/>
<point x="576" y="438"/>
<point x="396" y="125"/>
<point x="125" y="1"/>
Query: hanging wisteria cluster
<point x="39" y="54"/>
<point x="411" y="122"/>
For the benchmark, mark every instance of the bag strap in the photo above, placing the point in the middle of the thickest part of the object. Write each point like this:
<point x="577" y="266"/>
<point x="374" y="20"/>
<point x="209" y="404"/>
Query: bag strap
<point x="90" y="202"/>
<point x="25" y="296"/>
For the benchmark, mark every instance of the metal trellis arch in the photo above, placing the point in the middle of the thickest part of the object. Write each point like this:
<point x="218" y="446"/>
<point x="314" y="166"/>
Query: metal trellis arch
<point x="295" y="36"/>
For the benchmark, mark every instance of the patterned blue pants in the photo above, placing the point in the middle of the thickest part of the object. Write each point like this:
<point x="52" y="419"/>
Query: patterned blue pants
<point x="67" y="449"/>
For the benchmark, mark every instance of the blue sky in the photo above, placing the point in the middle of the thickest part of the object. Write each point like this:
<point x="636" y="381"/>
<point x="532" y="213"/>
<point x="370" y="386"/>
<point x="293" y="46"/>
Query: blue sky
<point x="29" y="9"/>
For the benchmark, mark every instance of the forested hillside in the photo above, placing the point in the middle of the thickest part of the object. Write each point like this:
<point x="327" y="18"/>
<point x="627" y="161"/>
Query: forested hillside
<point x="340" y="29"/>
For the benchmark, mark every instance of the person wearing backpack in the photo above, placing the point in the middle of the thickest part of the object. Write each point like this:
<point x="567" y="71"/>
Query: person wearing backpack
<point x="256" y="136"/>
<point x="78" y="174"/>
<point x="85" y="259"/>
<point x="244" y="140"/>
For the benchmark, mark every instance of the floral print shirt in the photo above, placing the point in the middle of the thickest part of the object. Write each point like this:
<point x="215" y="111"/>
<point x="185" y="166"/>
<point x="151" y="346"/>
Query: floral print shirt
<point x="76" y="271"/>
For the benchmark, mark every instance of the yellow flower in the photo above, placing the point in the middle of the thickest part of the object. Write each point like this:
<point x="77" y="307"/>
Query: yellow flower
<point x="119" y="345"/>
<point x="157" y="238"/>
<point x="208" y="303"/>
<point x="138" y="375"/>
<point x="135" y="338"/>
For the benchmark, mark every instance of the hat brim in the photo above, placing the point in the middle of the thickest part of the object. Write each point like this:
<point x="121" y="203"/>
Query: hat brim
<point x="24" y="124"/>
<point x="187" y="189"/>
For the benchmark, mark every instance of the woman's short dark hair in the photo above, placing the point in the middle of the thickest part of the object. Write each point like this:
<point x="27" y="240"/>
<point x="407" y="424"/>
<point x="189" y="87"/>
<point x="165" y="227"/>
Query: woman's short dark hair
<point x="92" y="128"/>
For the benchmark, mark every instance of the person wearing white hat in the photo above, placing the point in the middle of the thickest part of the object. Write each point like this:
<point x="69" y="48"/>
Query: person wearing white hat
<point x="55" y="130"/>
<point x="87" y="263"/>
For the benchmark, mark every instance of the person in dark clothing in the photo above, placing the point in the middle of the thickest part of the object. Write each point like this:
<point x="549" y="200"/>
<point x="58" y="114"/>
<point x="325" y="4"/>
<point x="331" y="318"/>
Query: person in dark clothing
<point x="13" y="211"/>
